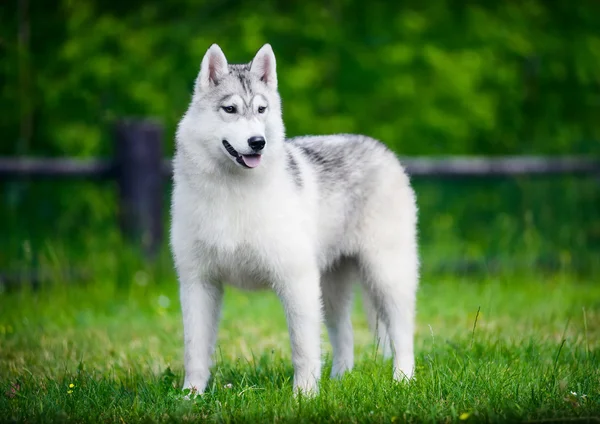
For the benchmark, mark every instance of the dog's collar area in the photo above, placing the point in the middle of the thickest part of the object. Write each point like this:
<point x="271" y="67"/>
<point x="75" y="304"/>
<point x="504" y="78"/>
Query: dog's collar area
<point x="240" y="158"/>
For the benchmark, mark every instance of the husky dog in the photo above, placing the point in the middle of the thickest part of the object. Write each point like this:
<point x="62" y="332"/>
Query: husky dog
<point x="305" y="217"/>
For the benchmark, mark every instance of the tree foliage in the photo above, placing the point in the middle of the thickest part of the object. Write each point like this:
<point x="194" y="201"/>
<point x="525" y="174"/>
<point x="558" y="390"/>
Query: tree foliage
<point x="436" y="77"/>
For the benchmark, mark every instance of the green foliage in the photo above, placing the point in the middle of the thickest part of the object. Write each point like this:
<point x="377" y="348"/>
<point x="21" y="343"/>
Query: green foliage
<point x="505" y="350"/>
<point x="445" y="77"/>
<point x="440" y="77"/>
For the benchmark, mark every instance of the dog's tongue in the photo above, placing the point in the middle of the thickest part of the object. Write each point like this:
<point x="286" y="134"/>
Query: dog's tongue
<point x="251" y="161"/>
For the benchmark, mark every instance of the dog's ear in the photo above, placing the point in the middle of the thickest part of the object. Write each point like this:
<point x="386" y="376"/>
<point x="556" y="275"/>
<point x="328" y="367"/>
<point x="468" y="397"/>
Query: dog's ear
<point x="212" y="69"/>
<point x="264" y="66"/>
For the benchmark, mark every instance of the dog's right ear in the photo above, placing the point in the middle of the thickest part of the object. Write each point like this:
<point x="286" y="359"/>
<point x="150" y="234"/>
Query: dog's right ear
<point x="212" y="69"/>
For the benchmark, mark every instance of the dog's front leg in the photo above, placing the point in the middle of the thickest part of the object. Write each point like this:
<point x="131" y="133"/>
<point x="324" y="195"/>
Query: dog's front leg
<point x="301" y="298"/>
<point x="201" y="307"/>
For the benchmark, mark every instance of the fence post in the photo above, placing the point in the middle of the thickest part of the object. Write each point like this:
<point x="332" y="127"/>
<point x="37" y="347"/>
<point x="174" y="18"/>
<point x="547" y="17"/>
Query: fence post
<point x="138" y="152"/>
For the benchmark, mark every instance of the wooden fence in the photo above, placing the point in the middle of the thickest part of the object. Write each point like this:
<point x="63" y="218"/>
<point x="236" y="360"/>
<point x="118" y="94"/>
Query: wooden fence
<point x="140" y="170"/>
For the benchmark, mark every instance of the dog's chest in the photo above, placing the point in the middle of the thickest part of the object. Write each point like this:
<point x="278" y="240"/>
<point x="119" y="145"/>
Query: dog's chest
<point x="244" y="267"/>
<point x="232" y="221"/>
<point x="245" y="240"/>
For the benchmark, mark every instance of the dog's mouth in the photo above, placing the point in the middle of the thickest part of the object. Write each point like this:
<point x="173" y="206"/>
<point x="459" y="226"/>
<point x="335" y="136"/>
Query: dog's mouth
<point x="247" y="161"/>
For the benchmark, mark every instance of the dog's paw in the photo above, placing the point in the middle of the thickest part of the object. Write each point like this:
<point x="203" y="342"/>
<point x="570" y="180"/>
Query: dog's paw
<point x="404" y="375"/>
<point x="307" y="389"/>
<point x="194" y="385"/>
<point x="190" y="393"/>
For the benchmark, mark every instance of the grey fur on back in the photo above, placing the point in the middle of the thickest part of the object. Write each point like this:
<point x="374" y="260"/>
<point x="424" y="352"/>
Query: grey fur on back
<point x="346" y="162"/>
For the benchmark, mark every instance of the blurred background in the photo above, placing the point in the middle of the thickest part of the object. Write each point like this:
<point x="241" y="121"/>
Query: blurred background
<point x="435" y="78"/>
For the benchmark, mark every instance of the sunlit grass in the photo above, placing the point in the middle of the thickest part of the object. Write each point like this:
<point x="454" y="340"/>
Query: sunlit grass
<point x="497" y="349"/>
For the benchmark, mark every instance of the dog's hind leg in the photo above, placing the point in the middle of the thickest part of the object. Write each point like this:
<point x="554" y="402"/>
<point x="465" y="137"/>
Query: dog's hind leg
<point x="376" y="324"/>
<point x="336" y="286"/>
<point x="391" y="277"/>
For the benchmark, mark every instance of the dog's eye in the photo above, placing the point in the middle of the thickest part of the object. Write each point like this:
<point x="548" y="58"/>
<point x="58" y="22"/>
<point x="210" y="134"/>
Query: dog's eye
<point x="229" y="109"/>
<point x="261" y="109"/>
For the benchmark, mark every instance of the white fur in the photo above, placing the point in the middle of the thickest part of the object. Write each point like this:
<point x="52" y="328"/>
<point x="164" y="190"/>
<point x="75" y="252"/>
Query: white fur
<point x="256" y="228"/>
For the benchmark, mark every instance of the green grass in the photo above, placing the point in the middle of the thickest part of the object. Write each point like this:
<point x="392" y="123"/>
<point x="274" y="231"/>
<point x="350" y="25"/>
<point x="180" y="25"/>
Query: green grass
<point x="533" y="344"/>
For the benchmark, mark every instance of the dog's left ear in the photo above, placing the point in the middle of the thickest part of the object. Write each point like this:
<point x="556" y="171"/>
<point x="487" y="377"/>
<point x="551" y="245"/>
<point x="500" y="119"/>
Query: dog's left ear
<point x="264" y="66"/>
<point x="212" y="68"/>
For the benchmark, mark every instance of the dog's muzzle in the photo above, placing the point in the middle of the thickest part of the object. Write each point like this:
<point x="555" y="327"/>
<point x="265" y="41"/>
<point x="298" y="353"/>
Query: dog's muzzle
<point x="247" y="161"/>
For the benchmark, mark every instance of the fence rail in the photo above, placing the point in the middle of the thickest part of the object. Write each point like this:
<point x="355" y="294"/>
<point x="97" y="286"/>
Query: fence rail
<point x="416" y="166"/>
<point x="56" y="168"/>
<point x="140" y="170"/>
<point x="500" y="166"/>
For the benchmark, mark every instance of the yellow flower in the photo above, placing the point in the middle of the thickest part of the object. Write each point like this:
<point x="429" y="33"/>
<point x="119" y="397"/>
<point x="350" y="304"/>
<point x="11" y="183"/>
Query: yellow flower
<point x="464" y="416"/>
<point x="71" y="386"/>
<point x="69" y="391"/>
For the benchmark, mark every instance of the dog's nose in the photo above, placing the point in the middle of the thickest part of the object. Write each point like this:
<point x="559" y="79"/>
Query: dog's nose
<point x="256" y="143"/>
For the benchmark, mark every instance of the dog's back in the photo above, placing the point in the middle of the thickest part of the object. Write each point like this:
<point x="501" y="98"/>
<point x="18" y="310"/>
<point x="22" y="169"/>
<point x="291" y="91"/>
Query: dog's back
<point x="358" y="179"/>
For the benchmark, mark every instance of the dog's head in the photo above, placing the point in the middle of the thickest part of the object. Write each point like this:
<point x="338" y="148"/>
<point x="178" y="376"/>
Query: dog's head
<point x="235" y="113"/>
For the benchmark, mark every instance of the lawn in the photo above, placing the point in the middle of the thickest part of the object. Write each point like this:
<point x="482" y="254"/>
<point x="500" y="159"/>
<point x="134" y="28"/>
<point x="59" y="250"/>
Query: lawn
<point x="493" y="348"/>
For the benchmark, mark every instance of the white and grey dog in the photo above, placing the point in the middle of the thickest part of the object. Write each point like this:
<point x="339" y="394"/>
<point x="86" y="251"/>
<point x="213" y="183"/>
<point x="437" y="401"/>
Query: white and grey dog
<point x="305" y="217"/>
